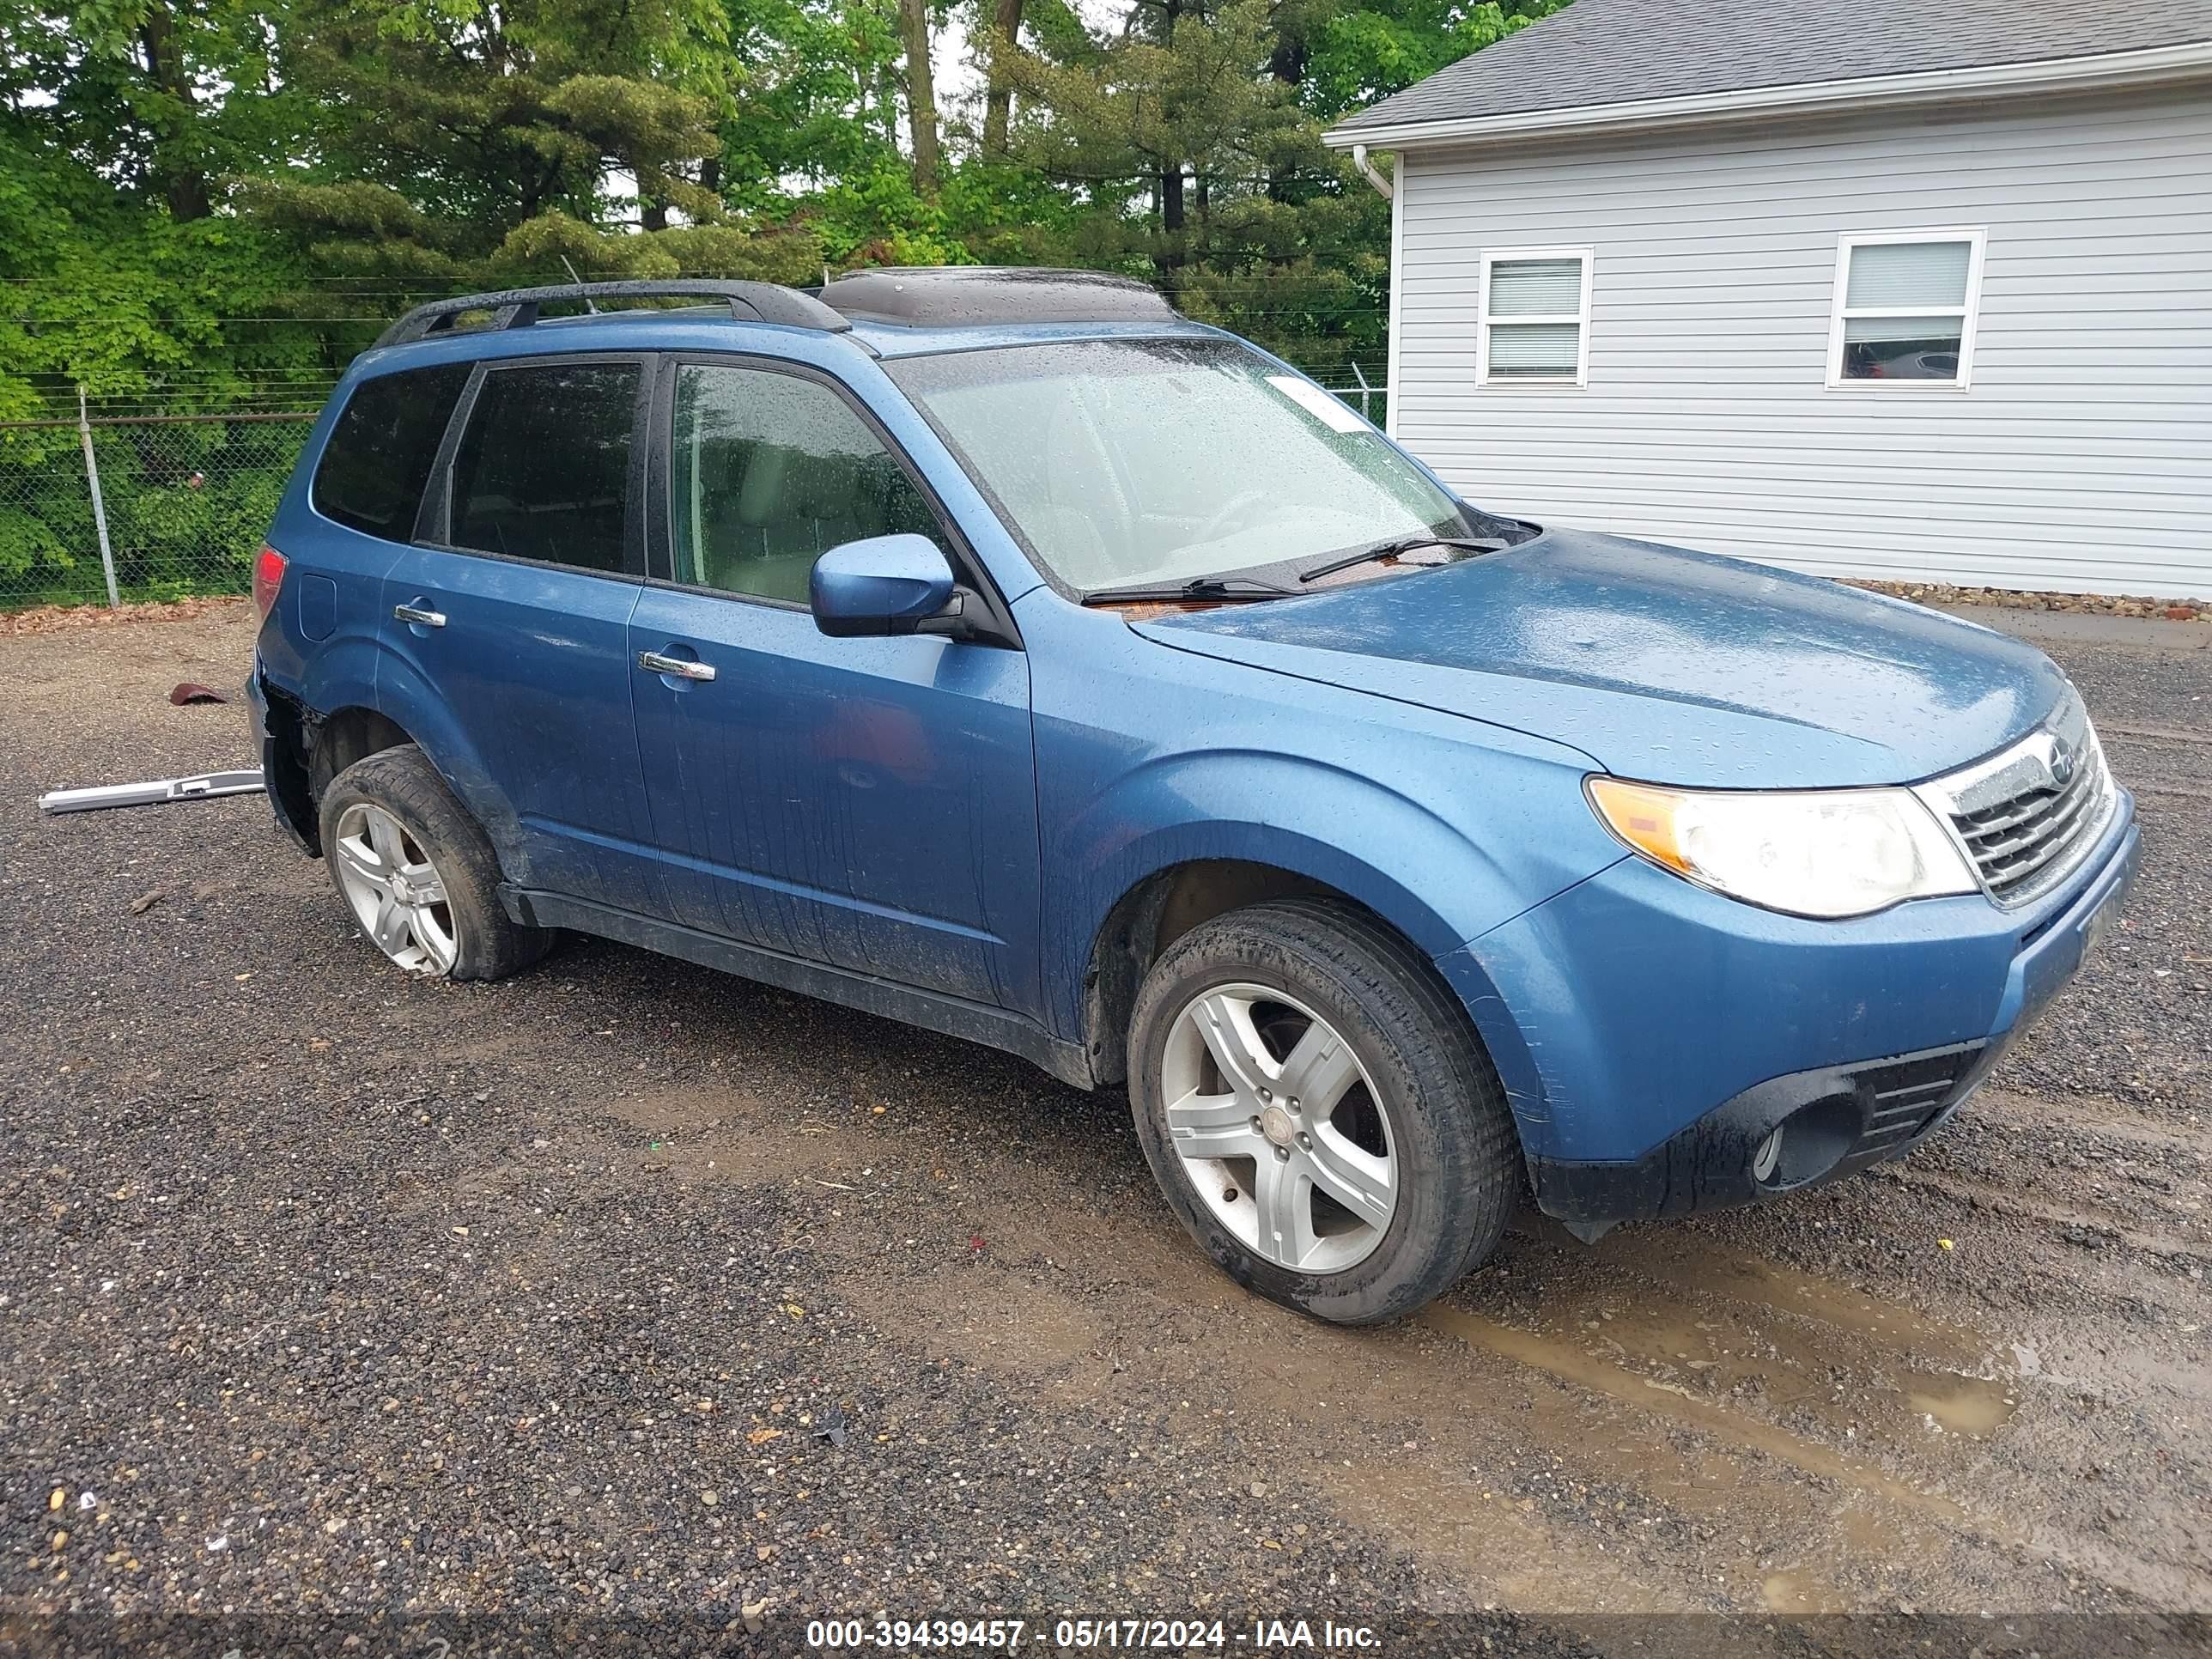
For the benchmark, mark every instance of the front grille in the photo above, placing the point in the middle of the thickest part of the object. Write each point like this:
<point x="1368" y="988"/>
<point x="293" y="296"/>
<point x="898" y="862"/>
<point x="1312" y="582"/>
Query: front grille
<point x="2016" y="840"/>
<point x="2029" y="815"/>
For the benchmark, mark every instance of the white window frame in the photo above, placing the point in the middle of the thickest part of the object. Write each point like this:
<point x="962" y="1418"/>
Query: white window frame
<point x="1581" y="317"/>
<point x="1969" y="315"/>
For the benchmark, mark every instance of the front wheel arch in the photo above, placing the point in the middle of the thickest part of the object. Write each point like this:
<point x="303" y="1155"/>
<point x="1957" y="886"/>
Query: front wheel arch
<point x="1152" y="915"/>
<point x="1159" y="908"/>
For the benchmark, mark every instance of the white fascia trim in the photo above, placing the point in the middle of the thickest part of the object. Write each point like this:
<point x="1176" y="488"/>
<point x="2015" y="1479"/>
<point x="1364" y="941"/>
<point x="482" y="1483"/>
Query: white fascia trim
<point x="2042" y="74"/>
<point x="1394" y="380"/>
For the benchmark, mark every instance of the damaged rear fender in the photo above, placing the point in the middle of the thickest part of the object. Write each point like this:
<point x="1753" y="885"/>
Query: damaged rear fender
<point x="404" y="698"/>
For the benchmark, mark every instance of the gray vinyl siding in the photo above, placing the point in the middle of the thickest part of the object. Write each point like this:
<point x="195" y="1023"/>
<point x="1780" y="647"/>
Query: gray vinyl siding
<point x="2079" y="460"/>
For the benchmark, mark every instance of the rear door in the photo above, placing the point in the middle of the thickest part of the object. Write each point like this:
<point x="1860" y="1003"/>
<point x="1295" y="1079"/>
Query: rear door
<point x="512" y="609"/>
<point x="869" y="803"/>
<point x="369" y="488"/>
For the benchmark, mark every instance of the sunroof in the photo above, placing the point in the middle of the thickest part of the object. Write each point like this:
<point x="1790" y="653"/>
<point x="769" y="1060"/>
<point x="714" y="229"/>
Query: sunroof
<point x="978" y="295"/>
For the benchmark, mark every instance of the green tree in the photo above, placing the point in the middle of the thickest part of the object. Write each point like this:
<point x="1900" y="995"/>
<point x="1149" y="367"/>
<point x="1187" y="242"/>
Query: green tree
<point x="473" y="118"/>
<point x="159" y="101"/>
<point x="1177" y="105"/>
<point x="212" y="204"/>
<point x="1347" y="56"/>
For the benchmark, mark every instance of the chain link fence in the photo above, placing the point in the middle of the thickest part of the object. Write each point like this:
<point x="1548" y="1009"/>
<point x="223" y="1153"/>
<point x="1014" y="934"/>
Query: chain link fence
<point x="113" y="509"/>
<point x="108" y="509"/>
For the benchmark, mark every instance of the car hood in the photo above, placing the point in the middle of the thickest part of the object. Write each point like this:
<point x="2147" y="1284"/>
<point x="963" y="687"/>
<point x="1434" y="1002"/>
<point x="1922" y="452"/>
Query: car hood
<point x="1658" y="663"/>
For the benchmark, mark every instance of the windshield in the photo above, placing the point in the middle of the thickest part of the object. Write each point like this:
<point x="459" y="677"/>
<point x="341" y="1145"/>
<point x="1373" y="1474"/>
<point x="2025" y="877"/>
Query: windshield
<point x="1155" y="463"/>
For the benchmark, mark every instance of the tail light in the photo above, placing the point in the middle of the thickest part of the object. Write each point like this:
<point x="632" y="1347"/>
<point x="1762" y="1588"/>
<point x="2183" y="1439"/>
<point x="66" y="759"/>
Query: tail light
<point x="268" y="577"/>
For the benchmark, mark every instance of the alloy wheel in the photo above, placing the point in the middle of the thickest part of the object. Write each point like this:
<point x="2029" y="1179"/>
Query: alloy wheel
<point x="1282" y="1133"/>
<point x="395" y="891"/>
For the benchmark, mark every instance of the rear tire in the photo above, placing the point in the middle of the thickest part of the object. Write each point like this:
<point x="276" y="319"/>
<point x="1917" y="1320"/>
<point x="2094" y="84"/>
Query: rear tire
<point x="1395" y="1170"/>
<point x="418" y="874"/>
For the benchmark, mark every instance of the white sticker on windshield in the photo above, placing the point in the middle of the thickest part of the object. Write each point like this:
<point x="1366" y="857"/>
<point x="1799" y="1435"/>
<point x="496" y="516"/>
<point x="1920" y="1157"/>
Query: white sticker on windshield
<point x="1317" y="402"/>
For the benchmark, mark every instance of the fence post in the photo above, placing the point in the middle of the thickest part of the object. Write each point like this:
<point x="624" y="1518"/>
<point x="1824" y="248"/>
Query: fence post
<point x="98" y="507"/>
<point x="1362" y="378"/>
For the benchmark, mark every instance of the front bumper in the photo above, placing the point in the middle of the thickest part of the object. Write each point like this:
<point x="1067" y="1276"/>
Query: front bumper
<point x="1905" y="1014"/>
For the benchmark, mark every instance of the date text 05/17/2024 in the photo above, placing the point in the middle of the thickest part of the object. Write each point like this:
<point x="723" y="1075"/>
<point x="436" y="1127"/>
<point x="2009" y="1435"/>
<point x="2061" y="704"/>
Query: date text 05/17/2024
<point x="1170" y="1635"/>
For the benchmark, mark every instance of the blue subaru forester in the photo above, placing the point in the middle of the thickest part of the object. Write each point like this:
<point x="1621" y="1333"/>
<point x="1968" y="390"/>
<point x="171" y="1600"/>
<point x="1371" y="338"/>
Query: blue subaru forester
<point x="1001" y="652"/>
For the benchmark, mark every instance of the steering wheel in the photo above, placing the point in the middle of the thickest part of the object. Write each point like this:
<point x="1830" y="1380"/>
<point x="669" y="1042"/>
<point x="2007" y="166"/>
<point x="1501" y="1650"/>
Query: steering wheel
<point x="1227" y="511"/>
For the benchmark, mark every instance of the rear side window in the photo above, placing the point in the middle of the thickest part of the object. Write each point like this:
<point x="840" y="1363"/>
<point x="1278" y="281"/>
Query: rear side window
<point x="542" y="471"/>
<point x="380" y="455"/>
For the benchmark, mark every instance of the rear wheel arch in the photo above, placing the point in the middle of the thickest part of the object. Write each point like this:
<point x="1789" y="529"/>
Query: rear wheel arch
<point x="414" y="709"/>
<point x="347" y="735"/>
<point x="309" y="747"/>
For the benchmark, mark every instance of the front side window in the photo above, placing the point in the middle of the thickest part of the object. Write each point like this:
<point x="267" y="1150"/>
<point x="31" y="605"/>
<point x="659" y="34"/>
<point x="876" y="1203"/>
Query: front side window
<point x="1904" y="309"/>
<point x="1535" y="317"/>
<point x="379" y="459"/>
<point x="543" y="470"/>
<point x="769" y="471"/>
<point x="1136" y="463"/>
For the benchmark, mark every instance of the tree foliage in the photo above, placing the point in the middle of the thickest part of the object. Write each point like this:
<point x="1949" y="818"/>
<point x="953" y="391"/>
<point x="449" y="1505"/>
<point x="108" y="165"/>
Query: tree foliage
<point x="211" y="201"/>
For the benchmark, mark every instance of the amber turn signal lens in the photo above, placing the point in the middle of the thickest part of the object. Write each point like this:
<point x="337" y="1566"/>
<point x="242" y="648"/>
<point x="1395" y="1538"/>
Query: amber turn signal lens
<point x="1642" y="818"/>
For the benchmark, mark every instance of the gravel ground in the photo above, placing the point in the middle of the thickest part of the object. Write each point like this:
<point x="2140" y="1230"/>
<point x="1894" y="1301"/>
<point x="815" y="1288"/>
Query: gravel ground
<point x="2015" y="598"/>
<point x="624" y="1292"/>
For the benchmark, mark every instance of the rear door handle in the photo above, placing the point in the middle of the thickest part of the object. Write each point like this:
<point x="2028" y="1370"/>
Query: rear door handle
<point x="419" y="615"/>
<point x="684" y="668"/>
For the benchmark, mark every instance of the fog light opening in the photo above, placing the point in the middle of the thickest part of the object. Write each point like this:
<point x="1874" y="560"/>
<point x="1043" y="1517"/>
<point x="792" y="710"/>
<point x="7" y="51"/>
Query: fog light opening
<point x="1806" y="1144"/>
<point x="1767" y="1159"/>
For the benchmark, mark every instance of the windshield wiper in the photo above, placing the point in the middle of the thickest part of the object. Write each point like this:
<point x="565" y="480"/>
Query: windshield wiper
<point x="1391" y="549"/>
<point x="1199" y="587"/>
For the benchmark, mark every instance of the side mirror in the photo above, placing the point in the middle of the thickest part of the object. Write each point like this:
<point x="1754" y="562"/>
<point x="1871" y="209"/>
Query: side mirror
<point x="884" y="585"/>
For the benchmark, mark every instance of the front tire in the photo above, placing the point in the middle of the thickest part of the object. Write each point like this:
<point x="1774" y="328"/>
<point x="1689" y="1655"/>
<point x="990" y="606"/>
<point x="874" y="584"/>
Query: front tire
<point x="1318" y="1112"/>
<point x="417" y="872"/>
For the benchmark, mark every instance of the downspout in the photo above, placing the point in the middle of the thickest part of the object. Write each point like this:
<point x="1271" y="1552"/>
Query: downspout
<point x="1367" y="171"/>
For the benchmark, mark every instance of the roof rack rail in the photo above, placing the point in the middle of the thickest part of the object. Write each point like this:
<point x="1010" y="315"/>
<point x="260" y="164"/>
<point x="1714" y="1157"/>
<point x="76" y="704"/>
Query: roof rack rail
<point x="517" y="308"/>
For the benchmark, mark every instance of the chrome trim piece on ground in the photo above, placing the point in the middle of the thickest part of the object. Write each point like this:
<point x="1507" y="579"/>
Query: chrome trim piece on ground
<point x="206" y="785"/>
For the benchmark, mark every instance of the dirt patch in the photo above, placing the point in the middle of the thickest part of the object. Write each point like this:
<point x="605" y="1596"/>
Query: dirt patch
<point x="471" y="1295"/>
<point x="54" y="618"/>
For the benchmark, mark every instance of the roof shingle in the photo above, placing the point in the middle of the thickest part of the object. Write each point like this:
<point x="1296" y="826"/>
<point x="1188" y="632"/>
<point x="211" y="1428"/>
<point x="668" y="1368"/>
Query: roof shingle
<point x="1619" y="52"/>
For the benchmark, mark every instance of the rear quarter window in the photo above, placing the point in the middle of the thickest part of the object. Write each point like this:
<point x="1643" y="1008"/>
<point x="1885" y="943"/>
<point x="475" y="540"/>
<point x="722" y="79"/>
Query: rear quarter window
<point x="374" y="470"/>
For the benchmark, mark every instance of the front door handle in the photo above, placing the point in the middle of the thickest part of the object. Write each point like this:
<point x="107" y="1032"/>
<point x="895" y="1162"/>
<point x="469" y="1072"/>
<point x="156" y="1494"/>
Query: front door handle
<point x="684" y="668"/>
<point x="420" y="616"/>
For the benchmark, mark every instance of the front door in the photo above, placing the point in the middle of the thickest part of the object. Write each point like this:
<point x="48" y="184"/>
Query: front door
<point x="868" y="803"/>
<point x="514" y="607"/>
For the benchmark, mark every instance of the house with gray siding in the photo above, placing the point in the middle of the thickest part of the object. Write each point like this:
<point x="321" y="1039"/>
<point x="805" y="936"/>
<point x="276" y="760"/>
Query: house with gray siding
<point x="1918" y="290"/>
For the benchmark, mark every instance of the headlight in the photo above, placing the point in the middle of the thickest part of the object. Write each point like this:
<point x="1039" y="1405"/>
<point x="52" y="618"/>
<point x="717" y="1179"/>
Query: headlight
<point x="1828" y="852"/>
